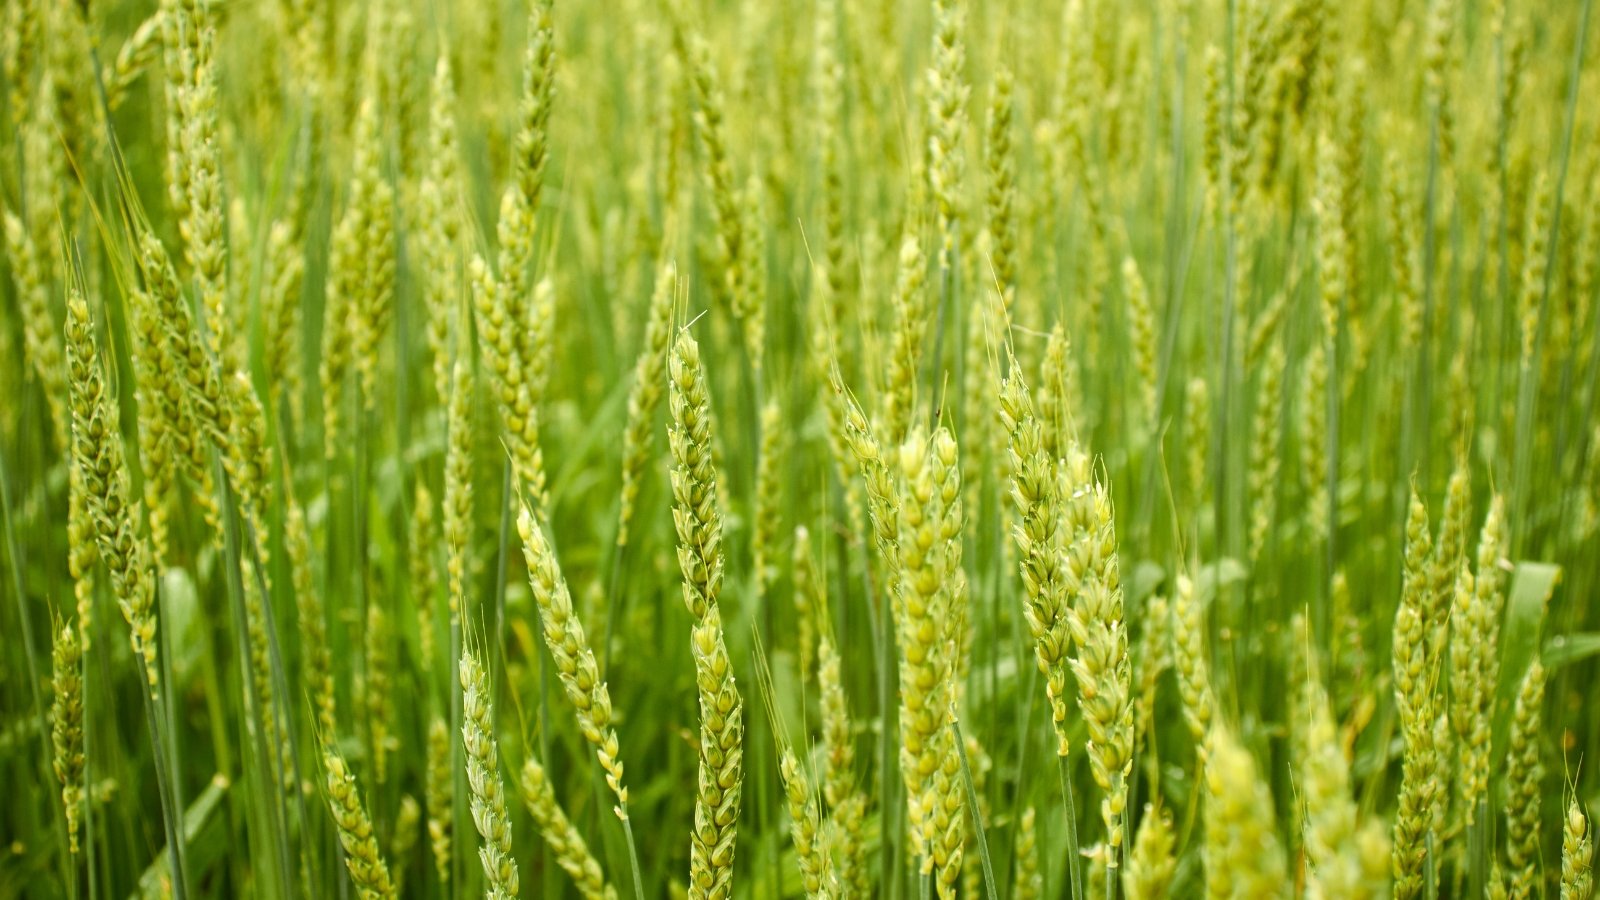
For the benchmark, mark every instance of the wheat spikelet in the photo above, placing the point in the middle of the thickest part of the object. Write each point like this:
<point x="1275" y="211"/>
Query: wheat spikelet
<point x="136" y="55"/>
<point x="423" y="538"/>
<point x="41" y="343"/>
<point x="1196" y="439"/>
<point x="1333" y="839"/>
<point x="316" y="660"/>
<point x="66" y="726"/>
<point x="1242" y="856"/>
<point x="438" y="794"/>
<point x="1314" y="440"/>
<point x="1524" y="772"/>
<point x="735" y="261"/>
<point x="1448" y="552"/>
<point x="281" y="310"/>
<point x="931" y="590"/>
<point x="947" y="122"/>
<point x="497" y="330"/>
<point x="1190" y="659"/>
<point x="770" y="468"/>
<point x="574" y="660"/>
<point x="371" y="204"/>
<point x="98" y="457"/>
<point x="403" y="840"/>
<point x="520" y="205"/>
<point x="438" y="198"/>
<point x="644" y="396"/>
<point x="1417" y="700"/>
<point x="489" y="811"/>
<point x="805" y="825"/>
<point x="458" y="487"/>
<point x="1092" y="577"/>
<point x="567" y="845"/>
<point x="698" y="520"/>
<point x="368" y="870"/>
<point x="1036" y="488"/>
<point x="910" y="322"/>
<point x="1001" y="195"/>
<point x="1150" y="861"/>
<point x="808" y="601"/>
<point x="1266" y="437"/>
<point x="1475" y="668"/>
<point x="1577" y="851"/>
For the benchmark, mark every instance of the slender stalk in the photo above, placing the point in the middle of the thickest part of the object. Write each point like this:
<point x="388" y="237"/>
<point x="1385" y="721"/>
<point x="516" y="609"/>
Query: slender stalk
<point x="1070" y="805"/>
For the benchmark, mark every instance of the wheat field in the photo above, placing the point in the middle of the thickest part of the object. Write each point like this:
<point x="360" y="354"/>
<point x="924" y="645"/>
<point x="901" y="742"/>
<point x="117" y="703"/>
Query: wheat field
<point x="803" y="448"/>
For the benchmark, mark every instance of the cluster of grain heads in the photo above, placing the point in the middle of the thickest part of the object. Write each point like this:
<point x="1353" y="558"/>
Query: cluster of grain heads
<point x="910" y="323"/>
<point x="498" y="328"/>
<point x="489" y="813"/>
<point x="316" y="657"/>
<point x="1475" y="658"/>
<point x="1577" y="854"/>
<point x="574" y="659"/>
<point x="805" y="825"/>
<point x="1523" y="777"/>
<point x="98" y="458"/>
<point x="458" y="486"/>
<point x="403" y="839"/>
<point x="66" y="727"/>
<point x="698" y="520"/>
<point x="735" y="277"/>
<point x="930" y="615"/>
<point x="847" y="803"/>
<point x="438" y="796"/>
<point x="41" y="343"/>
<point x="768" y="495"/>
<point x="566" y="844"/>
<point x="368" y="870"/>
<point x="1344" y="857"/>
<point x="947" y="123"/>
<point x="1029" y="884"/>
<point x="1416" y="672"/>
<point x="439" y="198"/>
<point x="1150" y="862"/>
<point x="1190" y="659"/>
<point x="1036" y="488"/>
<point x="644" y="396"/>
<point x="519" y="206"/>
<point x="1101" y="667"/>
<point x="1243" y="858"/>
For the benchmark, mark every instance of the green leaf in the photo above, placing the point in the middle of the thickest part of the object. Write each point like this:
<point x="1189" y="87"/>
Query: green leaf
<point x="1566" y="649"/>
<point x="1532" y="584"/>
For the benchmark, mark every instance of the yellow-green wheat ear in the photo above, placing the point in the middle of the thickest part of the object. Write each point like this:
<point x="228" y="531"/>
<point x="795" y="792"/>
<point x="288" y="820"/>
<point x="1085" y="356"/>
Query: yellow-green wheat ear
<point x="486" y="785"/>
<point x="1150" y="863"/>
<point x="1241" y="851"/>
<point x="66" y="726"/>
<point x="805" y="826"/>
<point x="368" y="870"/>
<point x="566" y="843"/>
<point x="98" y="458"/>
<point x="574" y="659"/>
<point x="1577" y="854"/>
<point x="1035" y="489"/>
<point x="644" y="396"/>
<point x="698" y="519"/>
